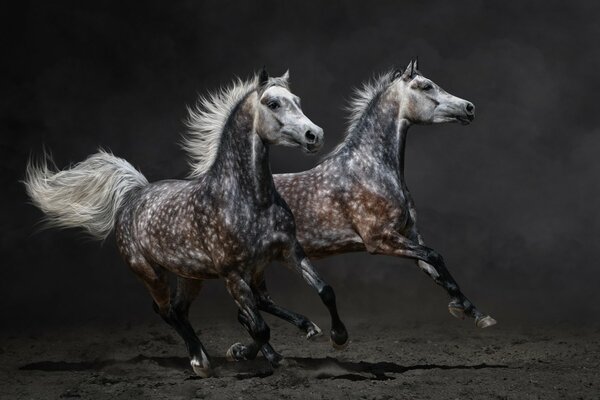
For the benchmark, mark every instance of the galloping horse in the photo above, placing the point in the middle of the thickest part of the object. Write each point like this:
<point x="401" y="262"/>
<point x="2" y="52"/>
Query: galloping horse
<point x="227" y="221"/>
<point x="359" y="199"/>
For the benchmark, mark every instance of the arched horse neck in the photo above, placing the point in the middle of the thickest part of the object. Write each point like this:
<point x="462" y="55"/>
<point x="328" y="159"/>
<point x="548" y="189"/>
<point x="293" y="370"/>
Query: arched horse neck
<point x="243" y="157"/>
<point x="380" y="135"/>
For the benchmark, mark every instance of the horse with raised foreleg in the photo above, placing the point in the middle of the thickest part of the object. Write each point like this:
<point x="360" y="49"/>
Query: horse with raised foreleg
<point x="358" y="198"/>
<point x="228" y="221"/>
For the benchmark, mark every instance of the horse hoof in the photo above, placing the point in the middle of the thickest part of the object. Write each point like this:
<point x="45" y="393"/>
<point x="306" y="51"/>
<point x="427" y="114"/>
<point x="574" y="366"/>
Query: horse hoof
<point x="339" y="338"/>
<point x="485" y="322"/>
<point x="313" y="331"/>
<point x="275" y="359"/>
<point x="279" y="362"/>
<point x="200" y="369"/>
<point x="456" y="310"/>
<point x="337" y="346"/>
<point x="235" y="352"/>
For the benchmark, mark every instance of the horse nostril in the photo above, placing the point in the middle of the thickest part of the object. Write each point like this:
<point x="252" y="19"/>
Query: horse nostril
<point x="470" y="107"/>
<point x="310" y="137"/>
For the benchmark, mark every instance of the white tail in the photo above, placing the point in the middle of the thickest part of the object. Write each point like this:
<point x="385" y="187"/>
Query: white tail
<point x="87" y="195"/>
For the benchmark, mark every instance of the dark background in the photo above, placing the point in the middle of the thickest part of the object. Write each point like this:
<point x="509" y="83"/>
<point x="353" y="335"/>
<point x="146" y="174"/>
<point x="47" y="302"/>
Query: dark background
<point x="511" y="201"/>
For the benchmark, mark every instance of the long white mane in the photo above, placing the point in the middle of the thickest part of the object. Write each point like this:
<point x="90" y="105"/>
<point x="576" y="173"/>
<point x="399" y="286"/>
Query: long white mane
<point x="206" y="121"/>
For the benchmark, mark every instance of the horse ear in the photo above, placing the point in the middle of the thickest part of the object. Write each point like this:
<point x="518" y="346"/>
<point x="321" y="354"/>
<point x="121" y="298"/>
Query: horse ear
<point x="408" y="72"/>
<point x="286" y="76"/>
<point x="263" y="78"/>
<point x="416" y="64"/>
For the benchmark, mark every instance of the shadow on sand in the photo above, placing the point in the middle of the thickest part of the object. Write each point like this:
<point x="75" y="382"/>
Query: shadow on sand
<point x="318" y="368"/>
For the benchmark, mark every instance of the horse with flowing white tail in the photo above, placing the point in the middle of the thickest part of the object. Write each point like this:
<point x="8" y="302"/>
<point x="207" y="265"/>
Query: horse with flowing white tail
<point x="227" y="221"/>
<point x="359" y="199"/>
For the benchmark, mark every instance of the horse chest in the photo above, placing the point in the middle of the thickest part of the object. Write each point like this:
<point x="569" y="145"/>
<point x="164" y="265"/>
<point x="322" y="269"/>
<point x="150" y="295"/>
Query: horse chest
<point x="260" y="235"/>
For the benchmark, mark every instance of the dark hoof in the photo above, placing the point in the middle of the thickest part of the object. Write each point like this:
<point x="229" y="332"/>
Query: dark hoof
<point x="236" y="352"/>
<point x="339" y="341"/>
<point x="340" y="347"/>
<point x="484" y="322"/>
<point x="201" y="367"/>
<point x="313" y="331"/>
<point x="276" y="360"/>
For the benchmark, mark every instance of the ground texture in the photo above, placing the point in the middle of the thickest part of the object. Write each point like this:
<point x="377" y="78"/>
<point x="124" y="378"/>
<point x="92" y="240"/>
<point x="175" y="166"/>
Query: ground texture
<point x="447" y="360"/>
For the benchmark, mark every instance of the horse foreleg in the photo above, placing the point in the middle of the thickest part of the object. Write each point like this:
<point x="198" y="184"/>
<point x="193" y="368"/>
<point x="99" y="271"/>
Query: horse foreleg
<point x="298" y="260"/>
<point x="432" y="263"/>
<point x="249" y="316"/>
<point x="266" y="304"/>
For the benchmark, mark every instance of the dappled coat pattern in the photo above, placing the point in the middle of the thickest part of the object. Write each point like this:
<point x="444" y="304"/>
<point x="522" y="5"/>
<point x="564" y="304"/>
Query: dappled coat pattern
<point x="227" y="221"/>
<point x="359" y="199"/>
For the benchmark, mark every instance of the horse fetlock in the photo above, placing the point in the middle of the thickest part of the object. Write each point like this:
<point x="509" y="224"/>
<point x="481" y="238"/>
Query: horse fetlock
<point x="327" y="295"/>
<point x="434" y="258"/>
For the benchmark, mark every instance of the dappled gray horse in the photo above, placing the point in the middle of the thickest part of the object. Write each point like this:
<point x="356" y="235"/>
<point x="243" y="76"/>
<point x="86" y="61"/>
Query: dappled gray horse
<point x="358" y="198"/>
<point x="228" y="221"/>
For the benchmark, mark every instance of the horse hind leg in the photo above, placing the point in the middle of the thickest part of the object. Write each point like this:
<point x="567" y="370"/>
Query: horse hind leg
<point x="156" y="281"/>
<point x="187" y="291"/>
<point x="266" y="304"/>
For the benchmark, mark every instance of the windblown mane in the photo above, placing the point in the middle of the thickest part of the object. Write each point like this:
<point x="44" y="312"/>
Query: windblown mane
<point x="359" y="104"/>
<point x="364" y="95"/>
<point x="206" y="121"/>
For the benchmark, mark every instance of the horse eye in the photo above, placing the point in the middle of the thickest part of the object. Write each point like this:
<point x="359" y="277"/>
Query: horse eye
<point x="427" y="87"/>
<point x="273" y="105"/>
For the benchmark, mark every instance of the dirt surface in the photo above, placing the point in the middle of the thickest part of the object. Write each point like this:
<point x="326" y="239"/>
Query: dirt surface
<point x="447" y="360"/>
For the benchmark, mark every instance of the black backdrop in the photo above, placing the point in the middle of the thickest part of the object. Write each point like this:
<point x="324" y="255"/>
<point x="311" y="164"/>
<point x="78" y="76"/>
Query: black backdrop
<point x="510" y="201"/>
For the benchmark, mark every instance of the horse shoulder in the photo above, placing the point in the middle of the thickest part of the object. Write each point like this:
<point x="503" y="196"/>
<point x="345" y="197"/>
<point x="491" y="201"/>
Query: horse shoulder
<point x="376" y="209"/>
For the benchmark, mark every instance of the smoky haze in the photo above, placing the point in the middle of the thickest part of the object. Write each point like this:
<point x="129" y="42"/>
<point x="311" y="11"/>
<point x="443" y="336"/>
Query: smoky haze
<point x="511" y="201"/>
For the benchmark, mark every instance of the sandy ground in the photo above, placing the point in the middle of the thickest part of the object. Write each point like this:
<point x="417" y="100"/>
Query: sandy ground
<point x="446" y="360"/>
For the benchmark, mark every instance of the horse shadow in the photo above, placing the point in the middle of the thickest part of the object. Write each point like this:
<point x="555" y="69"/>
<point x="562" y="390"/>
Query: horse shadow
<point x="317" y="368"/>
